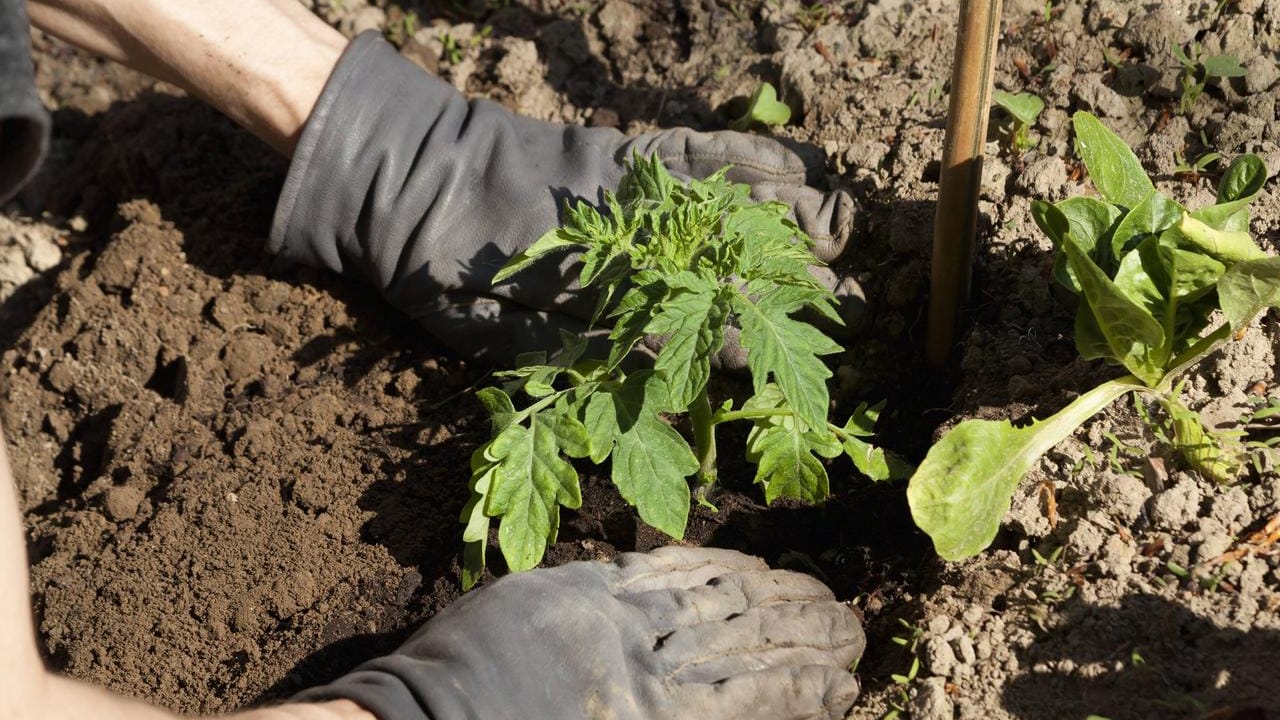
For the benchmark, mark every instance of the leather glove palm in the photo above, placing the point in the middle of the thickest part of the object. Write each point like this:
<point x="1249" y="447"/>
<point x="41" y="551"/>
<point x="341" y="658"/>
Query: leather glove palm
<point x="400" y="181"/>
<point x="677" y="633"/>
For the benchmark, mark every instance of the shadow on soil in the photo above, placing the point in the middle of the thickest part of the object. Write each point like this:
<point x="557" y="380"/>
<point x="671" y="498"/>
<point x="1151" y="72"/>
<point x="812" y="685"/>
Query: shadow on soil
<point x="1148" y="657"/>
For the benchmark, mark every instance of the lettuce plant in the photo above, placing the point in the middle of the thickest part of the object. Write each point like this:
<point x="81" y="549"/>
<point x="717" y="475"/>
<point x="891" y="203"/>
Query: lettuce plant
<point x="1150" y="275"/>
<point x="675" y="266"/>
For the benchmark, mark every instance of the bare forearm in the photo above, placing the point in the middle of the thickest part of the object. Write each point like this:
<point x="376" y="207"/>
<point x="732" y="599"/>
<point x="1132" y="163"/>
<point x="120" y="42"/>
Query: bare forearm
<point x="261" y="62"/>
<point x="65" y="698"/>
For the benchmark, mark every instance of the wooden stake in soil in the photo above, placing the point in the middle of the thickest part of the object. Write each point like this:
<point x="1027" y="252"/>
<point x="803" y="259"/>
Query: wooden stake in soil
<point x="956" y="220"/>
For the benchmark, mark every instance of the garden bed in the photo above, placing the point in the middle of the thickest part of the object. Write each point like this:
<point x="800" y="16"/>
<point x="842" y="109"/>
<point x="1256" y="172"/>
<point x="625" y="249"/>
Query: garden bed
<point x="239" y="482"/>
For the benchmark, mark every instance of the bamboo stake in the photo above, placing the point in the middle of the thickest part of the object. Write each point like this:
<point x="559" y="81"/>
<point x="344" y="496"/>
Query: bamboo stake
<point x="956" y="221"/>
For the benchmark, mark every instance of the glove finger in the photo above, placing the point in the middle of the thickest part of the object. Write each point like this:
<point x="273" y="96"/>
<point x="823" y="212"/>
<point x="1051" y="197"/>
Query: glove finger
<point x="725" y="596"/>
<point x="810" y="692"/>
<point x="497" y="331"/>
<point x="827" y="218"/>
<point x="851" y="303"/>
<point x="789" y="634"/>
<point x="754" y="158"/>
<point x="680" y="567"/>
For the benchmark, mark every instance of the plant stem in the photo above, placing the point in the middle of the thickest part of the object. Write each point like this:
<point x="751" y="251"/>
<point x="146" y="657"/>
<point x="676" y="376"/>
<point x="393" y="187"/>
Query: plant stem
<point x="1059" y="426"/>
<point x="704" y="441"/>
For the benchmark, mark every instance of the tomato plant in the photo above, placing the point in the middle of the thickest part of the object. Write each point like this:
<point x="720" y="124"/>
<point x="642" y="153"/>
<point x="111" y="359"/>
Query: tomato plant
<point x="681" y="267"/>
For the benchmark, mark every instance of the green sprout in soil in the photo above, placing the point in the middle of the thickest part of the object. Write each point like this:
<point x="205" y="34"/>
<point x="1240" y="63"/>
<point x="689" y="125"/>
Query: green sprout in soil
<point x="1197" y="71"/>
<point x="1023" y="109"/>
<point x="677" y="265"/>
<point x="1150" y="275"/>
<point x="1192" y="170"/>
<point x="763" y="108"/>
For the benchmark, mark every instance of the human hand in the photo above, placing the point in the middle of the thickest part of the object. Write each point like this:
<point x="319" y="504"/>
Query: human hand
<point x="677" y="633"/>
<point x="397" y="179"/>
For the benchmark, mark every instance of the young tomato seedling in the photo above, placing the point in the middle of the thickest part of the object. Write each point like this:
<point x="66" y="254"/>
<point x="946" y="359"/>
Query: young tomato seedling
<point x="676" y="266"/>
<point x="1149" y="274"/>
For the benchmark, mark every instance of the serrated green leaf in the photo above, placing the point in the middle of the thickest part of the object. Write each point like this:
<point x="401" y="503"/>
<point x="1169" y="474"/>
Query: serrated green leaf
<point x="646" y="181"/>
<point x="558" y="239"/>
<point x="571" y="434"/>
<point x="530" y="483"/>
<point x="692" y="320"/>
<point x="498" y="403"/>
<point x="788" y="351"/>
<point x="475" y="534"/>
<point x="650" y="467"/>
<point x="1247" y="288"/>
<point x="862" y="423"/>
<point x="650" y="459"/>
<point x="1112" y="166"/>
<point x="878" y="464"/>
<point x="787" y="466"/>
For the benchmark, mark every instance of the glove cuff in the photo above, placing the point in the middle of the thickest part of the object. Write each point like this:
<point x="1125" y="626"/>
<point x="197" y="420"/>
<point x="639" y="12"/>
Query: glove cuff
<point x="24" y="123"/>
<point x="357" y="151"/>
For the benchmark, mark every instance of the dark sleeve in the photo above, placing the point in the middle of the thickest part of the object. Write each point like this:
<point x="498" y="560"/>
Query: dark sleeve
<point x="24" y="123"/>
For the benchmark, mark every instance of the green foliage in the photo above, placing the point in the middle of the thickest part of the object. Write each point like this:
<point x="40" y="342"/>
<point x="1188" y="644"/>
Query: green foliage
<point x="763" y="108"/>
<point x="1197" y="71"/>
<point x="1023" y="109"/>
<point x="1149" y="274"/>
<point x="671" y="264"/>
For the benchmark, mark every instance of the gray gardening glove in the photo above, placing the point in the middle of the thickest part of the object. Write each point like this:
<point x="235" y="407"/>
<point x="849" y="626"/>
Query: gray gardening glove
<point x="678" y="633"/>
<point x="24" y="124"/>
<point x="400" y="181"/>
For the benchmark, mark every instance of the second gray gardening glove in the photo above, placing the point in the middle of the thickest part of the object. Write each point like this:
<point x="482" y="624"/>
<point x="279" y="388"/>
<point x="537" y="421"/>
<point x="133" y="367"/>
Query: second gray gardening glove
<point x="24" y="124"/>
<point x="678" y="633"/>
<point x="398" y="180"/>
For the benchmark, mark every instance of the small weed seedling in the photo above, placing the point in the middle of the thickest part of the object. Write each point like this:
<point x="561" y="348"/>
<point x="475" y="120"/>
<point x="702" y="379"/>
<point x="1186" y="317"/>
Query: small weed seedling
<point x="1198" y="71"/>
<point x="678" y="263"/>
<point x="763" y="108"/>
<point x="910" y="643"/>
<point x="1193" y="170"/>
<point x="1150" y="275"/>
<point x="1023" y="109"/>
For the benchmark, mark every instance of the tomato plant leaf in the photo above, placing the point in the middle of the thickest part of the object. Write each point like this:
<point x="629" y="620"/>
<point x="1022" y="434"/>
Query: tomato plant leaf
<point x="529" y="484"/>
<point x="692" y="319"/>
<point x="789" y="351"/>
